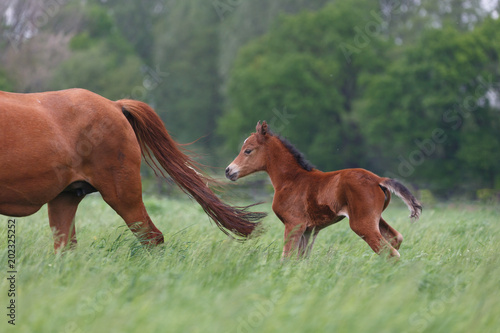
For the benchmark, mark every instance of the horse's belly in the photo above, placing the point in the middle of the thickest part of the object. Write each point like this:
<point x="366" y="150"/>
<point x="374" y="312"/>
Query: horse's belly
<point x="25" y="188"/>
<point x="18" y="210"/>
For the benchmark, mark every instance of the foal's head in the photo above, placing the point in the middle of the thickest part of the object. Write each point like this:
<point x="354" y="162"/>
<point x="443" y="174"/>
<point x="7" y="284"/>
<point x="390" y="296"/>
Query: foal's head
<point x="252" y="157"/>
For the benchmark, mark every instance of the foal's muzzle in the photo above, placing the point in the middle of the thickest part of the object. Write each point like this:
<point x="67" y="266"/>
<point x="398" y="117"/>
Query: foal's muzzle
<point x="231" y="173"/>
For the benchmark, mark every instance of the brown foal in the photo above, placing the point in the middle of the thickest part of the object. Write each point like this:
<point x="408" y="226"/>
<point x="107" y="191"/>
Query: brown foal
<point x="307" y="200"/>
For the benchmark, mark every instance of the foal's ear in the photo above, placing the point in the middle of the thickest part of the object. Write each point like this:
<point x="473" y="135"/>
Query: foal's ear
<point x="261" y="128"/>
<point x="264" y="128"/>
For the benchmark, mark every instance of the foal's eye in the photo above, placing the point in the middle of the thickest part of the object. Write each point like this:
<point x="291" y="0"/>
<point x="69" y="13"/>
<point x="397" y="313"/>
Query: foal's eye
<point x="248" y="151"/>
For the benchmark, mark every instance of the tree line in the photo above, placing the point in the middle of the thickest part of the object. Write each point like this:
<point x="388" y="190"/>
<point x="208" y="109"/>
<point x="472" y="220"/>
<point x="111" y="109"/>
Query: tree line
<point x="407" y="89"/>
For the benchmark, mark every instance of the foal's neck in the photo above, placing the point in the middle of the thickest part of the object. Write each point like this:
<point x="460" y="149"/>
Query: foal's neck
<point x="281" y="166"/>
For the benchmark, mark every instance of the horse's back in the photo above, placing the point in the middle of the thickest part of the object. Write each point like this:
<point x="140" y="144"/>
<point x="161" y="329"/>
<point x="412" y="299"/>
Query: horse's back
<point x="39" y="122"/>
<point x="360" y="176"/>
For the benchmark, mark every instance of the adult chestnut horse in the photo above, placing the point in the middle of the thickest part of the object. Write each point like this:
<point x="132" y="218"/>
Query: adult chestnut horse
<point x="307" y="200"/>
<point x="56" y="147"/>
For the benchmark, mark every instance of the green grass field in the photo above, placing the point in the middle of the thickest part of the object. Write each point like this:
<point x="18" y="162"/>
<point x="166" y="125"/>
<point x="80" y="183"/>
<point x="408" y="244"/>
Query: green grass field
<point x="447" y="280"/>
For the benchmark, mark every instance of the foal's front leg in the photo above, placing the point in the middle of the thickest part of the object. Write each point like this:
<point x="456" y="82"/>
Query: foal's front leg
<point x="292" y="238"/>
<point x="306" y="243"/>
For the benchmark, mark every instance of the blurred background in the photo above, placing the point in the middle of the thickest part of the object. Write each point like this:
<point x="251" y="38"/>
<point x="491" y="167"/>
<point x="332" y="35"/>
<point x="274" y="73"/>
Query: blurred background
<point x="408" y="89"/>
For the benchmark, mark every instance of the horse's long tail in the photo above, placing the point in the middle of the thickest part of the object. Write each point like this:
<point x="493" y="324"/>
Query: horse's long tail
<point x="155" y="140"/>
<point x="401" y="191"/>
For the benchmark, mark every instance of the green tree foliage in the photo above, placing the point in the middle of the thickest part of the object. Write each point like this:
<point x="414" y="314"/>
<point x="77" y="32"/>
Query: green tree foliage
<point x="337" y="83"/>
<point x="136" y="21"/>
<point x="436" y="109"/>
<point x="406" y="19"/>
<point x="5" y="82"/>
<point x="242" y="21"/>
<point x="301" y="78"/>
<point x="102" y="60"/>
<point x="189" y="98"/>
<point x="195" y="43"/>
<point x="405" y="88"/>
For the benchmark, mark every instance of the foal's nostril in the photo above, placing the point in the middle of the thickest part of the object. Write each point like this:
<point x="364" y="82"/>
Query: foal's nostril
<point x="227" y="171"/>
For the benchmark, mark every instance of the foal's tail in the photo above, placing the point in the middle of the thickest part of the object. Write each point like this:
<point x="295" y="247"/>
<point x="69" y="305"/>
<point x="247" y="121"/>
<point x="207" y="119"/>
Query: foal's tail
<point x="155" y="141"/>
<point x="401" y="191"/>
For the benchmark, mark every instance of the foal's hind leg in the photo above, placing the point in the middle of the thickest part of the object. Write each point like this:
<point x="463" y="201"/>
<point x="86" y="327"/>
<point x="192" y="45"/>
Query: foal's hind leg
<point x="390" y="234"/>
<point x="368" y="229"/>
<point x="62" y="210"/>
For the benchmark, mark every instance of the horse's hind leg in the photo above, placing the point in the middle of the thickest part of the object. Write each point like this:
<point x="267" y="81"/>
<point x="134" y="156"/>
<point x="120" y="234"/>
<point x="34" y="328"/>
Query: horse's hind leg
<point x="390" y="234"/>
<point x="131" y="208"/>
<point x="124" y="195"/>
<point x="62" y="210"/>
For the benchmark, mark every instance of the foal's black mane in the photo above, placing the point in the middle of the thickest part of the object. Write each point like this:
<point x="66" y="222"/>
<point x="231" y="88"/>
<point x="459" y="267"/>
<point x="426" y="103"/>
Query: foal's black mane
<point x="299" y="157"/>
